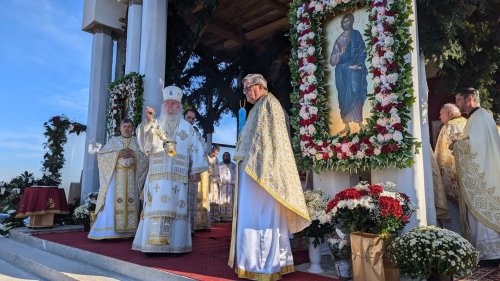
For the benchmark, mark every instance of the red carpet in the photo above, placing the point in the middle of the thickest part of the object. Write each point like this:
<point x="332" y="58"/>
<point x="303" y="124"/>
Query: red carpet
<point x="207" y="261"/>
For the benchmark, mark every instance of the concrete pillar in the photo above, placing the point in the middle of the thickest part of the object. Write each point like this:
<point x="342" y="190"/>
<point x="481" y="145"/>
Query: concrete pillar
<point x="332" y="182"/>
<point x="100" y="77"/>
<point x="121" y="42"/>
<point x="134" y="24"/>
<point x="153" y="51"/>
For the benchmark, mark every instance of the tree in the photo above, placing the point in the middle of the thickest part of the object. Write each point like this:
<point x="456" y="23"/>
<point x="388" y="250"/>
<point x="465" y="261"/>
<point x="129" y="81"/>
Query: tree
<point x="210" y="87"/>
<point x="462" y="38"/>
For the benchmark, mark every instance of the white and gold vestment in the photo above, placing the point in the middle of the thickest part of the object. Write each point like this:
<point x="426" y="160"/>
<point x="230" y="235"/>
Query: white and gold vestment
<point x="477" y="156"/>
<point x="227" y="173"/>
<point x="269" y="202"/>
<point x="120" y="183"/>
<point x="164" y="226"/>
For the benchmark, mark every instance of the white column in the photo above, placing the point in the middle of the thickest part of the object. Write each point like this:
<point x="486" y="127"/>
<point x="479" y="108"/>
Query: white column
<point x="153" y="50"/>
<point x="412" y="181"/>
<point x="100" y="77"/>
<point x="121" y="42"/>
<point x="134" y="24"/>
<point x="332" y="182"/>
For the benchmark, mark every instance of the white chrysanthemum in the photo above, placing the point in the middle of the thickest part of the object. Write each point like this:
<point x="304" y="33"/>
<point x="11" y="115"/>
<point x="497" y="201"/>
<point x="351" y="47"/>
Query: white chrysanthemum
<point x="397" y="136"/>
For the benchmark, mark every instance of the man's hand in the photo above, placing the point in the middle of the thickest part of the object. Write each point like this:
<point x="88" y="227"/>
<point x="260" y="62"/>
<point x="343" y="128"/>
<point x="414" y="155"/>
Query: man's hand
<point x="126" y="153"/>
<point x="150" y="113"/>
<point x="194" y="177"/>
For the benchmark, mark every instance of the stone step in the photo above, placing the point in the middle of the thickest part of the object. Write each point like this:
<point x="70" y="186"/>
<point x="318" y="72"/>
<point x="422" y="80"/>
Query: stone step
<point x="51" y="266"/>
<point x="12" y="273"/>
<point x="105" y="267"/>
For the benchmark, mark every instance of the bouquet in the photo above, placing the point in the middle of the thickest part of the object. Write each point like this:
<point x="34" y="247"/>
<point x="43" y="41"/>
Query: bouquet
<point x="431" y="250"/>
<point x="339" y="246"/>
<point x="320" y="219"/>
<point x="81" y="215"/>
<point x="371" y="208"/>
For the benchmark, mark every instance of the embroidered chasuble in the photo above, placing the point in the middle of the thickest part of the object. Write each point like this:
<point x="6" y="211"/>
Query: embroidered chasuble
<point x="120" y="182"/>
<point x="200" y="204"/>
<point x="164" y="225"/>
<point x="477" y="157"/>
<point x="269" y="184"/>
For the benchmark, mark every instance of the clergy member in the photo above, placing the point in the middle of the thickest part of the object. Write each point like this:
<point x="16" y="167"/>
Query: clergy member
<point x="269" y="202"/>
<point x="453" y="125"/>
<point x="477" y="156"/>
<point x="175" y="157"/>
<point x="213" y="172"/>
<point x="122" y="171"/>
<point x="227" y="172"/>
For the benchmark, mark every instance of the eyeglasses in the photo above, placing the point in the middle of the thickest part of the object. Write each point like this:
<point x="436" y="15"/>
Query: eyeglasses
<point x="247" y="88"/>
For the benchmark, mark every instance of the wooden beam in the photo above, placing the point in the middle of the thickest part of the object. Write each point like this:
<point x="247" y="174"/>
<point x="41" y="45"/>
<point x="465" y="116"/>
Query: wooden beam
<point x="278" y="6"/>
<point x="220" y="28"/>
<point x="261" y="31"/>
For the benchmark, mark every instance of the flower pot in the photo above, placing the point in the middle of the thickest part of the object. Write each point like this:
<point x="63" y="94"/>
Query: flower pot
<point x="343" y="268"/>
<point x="368" y="258"/>
<point x="439" y="277"/>
<point x="314" y="258"/>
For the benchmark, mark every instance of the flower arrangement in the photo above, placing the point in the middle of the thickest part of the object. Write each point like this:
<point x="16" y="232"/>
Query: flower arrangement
<point x="320" y="219"/>
<point x="371" y="208"/>
<point x="429" y="250"/>
<point x="387" y="142"/>
<point x="339" y="245"/>
<point x="81" y="215"/>
<point x="126" y="93"/>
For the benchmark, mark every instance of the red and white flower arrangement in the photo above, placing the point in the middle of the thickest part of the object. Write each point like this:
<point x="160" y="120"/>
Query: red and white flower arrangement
<point x="371" y="208"/>
<point x="386" y="141"/>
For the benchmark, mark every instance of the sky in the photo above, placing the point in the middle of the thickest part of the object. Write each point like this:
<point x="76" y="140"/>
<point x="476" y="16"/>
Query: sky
<point x="45" y="71"/>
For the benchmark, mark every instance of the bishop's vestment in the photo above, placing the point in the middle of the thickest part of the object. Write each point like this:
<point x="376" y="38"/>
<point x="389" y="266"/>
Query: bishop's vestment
<point x="165" y="226"/>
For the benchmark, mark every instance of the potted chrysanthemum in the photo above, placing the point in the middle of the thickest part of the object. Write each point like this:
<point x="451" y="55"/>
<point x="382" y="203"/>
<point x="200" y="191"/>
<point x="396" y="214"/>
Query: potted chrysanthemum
<point x="372" y="214"/>
<point x="430" y="251"/>
<point x="321" y="225"/>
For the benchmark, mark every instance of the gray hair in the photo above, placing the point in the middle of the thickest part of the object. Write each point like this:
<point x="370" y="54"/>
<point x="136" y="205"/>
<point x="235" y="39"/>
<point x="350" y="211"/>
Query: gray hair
<point x="256" y="79"/>
<point x="453" y="109"/>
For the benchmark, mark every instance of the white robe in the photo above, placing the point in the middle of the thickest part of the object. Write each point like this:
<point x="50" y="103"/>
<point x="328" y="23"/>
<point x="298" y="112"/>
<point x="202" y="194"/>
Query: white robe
<point x="262" y="245"/>
<point x="477" y="156"/>
<point x="165" y="226"/>
<point x="227" y="174"/>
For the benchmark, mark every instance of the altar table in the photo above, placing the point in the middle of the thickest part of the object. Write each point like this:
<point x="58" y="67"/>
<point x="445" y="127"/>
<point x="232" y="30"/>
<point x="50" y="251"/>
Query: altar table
<point x="40" y="203"/>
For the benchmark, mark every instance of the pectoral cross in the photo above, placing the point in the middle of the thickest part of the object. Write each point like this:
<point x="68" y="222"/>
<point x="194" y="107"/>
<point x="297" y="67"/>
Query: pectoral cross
<point x="175" y="189"/>
<point x="156" y="187"/>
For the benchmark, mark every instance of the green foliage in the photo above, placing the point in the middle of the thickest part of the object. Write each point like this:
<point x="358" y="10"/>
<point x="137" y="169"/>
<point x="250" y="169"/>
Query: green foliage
<point x="462" y="38"/>
<point x="56" y="130"/>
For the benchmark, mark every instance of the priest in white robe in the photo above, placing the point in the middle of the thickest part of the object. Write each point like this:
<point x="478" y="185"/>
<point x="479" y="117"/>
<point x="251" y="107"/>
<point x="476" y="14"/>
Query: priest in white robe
<point x="175" y="157"/>
<point x="227" y="172"/>
<point x="269" y="202"/>
<point x="122" y="171"/>
<point x="213" y="172"/>
<point x="477" y="156"/>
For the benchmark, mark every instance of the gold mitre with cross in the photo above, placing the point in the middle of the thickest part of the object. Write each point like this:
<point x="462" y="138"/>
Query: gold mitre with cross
<point x="172" y="93"/>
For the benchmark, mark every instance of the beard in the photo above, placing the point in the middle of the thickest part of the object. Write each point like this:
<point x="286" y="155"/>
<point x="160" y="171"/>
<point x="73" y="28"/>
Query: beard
<point x="169" y="120"/>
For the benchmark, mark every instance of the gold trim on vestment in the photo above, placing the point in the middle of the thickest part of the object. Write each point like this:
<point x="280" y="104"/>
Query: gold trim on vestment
<point x="275" y="195"/>
<point x="57" y="212"/>
<point x="168" y="176"/>
<point x="131" y="235"/>
<point x="263" y="276"/>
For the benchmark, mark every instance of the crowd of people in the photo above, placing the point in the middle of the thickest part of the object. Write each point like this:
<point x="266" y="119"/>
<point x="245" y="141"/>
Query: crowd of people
<point x="160" y="186"/>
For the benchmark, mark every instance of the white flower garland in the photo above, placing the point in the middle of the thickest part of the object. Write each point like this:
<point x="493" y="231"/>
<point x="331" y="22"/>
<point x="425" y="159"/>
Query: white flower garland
<point x="386" y="142"/>
<point x="128" y="89"/>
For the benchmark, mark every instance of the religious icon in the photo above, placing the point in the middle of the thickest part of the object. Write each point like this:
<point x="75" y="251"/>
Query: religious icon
<point x="347" y="82"/>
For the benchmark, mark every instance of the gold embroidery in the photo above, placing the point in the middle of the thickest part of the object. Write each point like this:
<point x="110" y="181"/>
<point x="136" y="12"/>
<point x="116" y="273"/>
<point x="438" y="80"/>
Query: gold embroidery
<point x="264" y="277"/>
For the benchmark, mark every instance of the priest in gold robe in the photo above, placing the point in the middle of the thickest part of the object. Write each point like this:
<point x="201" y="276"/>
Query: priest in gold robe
<point x="477" y="156"/>
<point x="269" y="202"/>
<point x="175" y="157"/>
<point x="122" y="171"/>
<point x="453" y="125"/>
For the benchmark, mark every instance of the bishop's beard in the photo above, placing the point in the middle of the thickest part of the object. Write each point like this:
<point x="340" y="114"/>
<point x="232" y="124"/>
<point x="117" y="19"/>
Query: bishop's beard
<point x="169" y="121"/>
